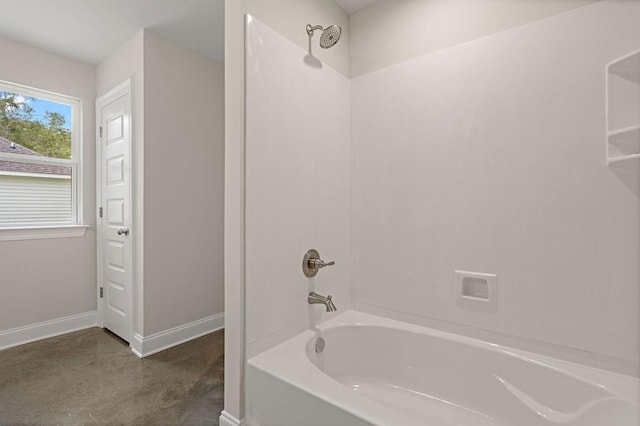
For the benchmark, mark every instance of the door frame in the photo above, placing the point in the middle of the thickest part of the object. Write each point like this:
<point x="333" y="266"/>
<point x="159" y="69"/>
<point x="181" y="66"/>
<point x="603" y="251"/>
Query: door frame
<point x="124" y="88"/>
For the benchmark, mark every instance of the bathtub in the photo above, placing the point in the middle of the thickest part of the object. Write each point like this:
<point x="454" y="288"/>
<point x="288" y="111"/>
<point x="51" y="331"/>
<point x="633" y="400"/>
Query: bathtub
<point x="376" y="371"/>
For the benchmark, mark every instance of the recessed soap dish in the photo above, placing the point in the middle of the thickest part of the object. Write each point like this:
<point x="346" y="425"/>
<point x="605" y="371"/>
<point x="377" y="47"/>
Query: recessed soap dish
<point x="476" y="291"/>
<point x="475" y="288"/>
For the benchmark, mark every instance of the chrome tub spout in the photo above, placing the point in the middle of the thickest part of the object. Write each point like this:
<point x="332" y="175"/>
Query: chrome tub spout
<point x="314" y="298"/>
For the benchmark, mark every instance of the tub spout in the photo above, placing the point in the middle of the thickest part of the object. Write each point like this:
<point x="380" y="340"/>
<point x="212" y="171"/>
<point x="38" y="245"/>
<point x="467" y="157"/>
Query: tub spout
<point x="326" y="301"/>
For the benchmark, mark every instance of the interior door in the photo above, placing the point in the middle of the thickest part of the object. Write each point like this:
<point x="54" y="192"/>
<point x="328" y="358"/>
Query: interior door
<point x="115" y="249"/>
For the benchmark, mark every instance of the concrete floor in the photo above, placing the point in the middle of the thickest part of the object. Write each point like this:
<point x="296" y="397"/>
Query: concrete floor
<point x="90" y="377"/>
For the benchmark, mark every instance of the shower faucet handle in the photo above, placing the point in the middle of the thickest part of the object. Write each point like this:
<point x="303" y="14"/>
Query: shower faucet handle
<point x="319" y="263"/>
<point x="311" y="263"/>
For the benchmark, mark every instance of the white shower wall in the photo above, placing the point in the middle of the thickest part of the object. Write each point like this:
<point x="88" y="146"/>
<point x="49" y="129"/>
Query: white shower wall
<point x="297" y="187"/>
<point x="490" y="157"/>
<point x="392" y="31"/>
<point x="485" y="157"/>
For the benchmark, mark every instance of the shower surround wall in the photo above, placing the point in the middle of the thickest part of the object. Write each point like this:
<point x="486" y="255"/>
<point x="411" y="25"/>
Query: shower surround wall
<point x="485" y="157"/>
<point x="489" y="157"/>
<point x="297" y="186"/>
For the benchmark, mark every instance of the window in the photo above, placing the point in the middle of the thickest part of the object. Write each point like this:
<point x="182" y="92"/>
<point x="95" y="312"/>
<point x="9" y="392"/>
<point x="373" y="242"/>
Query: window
<point x="39" y="158"/>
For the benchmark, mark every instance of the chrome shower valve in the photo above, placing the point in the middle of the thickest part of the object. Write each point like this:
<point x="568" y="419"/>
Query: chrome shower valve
<point x="311" y="263"/>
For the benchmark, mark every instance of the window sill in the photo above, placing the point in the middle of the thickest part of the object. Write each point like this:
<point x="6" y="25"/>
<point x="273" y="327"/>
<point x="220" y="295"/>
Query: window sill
<point x="42" y="232"/>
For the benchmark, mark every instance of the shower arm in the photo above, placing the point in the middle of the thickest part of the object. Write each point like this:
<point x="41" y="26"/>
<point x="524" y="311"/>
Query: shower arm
<point x="311" y="29"/>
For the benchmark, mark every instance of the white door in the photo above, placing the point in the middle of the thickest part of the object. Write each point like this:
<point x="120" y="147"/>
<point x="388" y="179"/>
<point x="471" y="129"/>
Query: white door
<point x="114" y="221"/>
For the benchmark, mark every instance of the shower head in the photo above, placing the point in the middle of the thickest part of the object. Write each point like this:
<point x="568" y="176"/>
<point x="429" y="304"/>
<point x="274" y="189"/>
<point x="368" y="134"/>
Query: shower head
<point x="330" y="35"/>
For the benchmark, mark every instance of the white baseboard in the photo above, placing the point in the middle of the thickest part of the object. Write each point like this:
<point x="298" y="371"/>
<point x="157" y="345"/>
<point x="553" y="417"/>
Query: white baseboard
<point x="227" y="419"/>
<point x="149" y="345"/>
<point x="43" y="330"/>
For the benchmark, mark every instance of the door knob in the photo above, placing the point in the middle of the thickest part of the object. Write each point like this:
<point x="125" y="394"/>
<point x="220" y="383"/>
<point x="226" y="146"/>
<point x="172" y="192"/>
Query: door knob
<point x="124" y="231"/>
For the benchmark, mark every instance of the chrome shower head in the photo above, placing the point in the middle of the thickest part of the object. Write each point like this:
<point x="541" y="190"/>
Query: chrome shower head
<point x="330" y="35"/>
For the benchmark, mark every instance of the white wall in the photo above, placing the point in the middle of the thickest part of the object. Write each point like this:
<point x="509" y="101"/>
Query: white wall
<point x="127" y="61"/>
<point x="48" y="279"/>
<point x="490" y="157"/>
<point x="234" y="336"/>
<point x="297" y="192"/>
<point x="178" y="101"/>
<point x="393" y="31"/>
<point x="183" y="185"/>
<point x="288" y="17"/>
<point x="395" y="178"/>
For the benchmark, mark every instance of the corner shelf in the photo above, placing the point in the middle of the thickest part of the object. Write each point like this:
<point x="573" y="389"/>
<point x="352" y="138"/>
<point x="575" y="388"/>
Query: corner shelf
<point x="623" y="111"/>
<point x="624" y="158"/>
<point x="627" y="67"/>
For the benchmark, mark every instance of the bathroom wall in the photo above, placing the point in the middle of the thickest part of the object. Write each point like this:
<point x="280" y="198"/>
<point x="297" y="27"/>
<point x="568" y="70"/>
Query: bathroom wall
<point x="297" y="186"/>
<point x="392" y="31"/>
<point x="288" y="17"/>
<point x="183" y="188"/>
<point x="490" y="157"/>
<point x="234" y="336"/>
<point x="178" y="97"/>
<point x="43" y="280"/>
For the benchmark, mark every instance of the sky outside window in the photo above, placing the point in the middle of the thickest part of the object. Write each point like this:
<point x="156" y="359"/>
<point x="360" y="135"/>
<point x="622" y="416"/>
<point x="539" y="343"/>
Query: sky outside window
<point x="41" y="107"/>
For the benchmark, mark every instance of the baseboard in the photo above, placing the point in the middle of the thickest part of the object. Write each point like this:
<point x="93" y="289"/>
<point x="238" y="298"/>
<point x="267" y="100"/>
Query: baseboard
<point x="43" y="330"/>
<point x="227" y="419"/>
<point x="144" y="346"/>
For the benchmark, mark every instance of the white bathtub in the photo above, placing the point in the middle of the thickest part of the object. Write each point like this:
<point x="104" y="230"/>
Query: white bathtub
<point x="376" y="371"/>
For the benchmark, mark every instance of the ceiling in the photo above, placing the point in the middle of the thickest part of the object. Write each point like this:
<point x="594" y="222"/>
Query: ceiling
<point x="351" y="6"/>
<point x="89" y="30"/>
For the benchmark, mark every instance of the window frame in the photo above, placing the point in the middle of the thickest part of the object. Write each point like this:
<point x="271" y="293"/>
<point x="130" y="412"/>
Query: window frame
<point x="75" y="226"/>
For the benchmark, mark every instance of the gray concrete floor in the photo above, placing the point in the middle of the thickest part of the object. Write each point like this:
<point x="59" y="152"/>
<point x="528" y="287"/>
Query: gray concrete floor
<point x="90" y="377"/>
